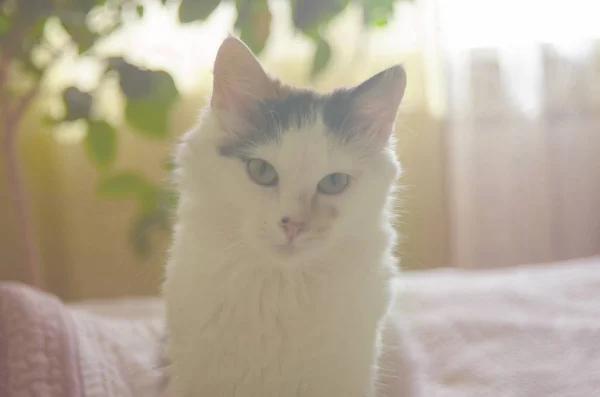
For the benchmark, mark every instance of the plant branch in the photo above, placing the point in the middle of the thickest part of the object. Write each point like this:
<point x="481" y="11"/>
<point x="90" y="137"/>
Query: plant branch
<point x="12" y="115"/>
<point x="15" y="181"/>
<point x="21" y="106"/>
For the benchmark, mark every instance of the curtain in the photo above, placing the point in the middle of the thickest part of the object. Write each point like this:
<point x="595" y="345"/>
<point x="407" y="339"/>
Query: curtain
<point x="522" y="135"/>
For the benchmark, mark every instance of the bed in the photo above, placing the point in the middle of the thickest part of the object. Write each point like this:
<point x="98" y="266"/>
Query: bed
<point x="527" y="331"/>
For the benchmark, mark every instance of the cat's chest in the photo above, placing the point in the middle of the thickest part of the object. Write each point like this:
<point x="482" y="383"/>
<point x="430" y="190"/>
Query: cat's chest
<point x="278" y="332"/>
<point x="280" y="318"/>
<point x="276" y="309"/>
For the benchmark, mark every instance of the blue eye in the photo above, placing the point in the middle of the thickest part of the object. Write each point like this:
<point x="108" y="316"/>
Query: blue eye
<point x="261" y="172"/>
<point x="333" y="183"/>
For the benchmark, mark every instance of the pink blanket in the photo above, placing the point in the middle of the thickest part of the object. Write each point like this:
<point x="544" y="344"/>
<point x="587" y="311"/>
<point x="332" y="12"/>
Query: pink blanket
<point x="520" y="332"/>
<point x="50" y="350"/>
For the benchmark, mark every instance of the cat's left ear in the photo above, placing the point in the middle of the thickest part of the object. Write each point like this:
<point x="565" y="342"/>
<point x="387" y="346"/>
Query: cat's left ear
<point x="374" y="104"/>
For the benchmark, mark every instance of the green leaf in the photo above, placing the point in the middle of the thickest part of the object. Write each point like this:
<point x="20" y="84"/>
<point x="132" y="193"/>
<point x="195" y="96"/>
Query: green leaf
<point x="150" y="115"/>
<point x="193" y="10"/>
<point x="139" y="236"/>
<point x="30" y="10"/>
<point x="163" y="89"/>
<point x="84" y="6"/>
<point x="376" y="13"/>
<point x="131" y="186"/>
<point x="134" y="81"/>
<point x="169" y="164"/>
<point x="312" y="15"/>
<point x="149" y="200"/>
<point x="5" y="24"/>
<point x="322" y="56"/>
<point x="101" y="143"/>
<point x="150" y="95"/>
<point x="148" y="118"/>
<point x="77" y="103"/>
<point x="167" y="199"/>
<point x="140" y="10"/>
<point x="141" y="232"/>
<point x="254" y="23"/>
<point x="80" y="33"/>
<point x="140" y="241"/>
<point x="138" y="83"/>
<point x="124" y="185"/>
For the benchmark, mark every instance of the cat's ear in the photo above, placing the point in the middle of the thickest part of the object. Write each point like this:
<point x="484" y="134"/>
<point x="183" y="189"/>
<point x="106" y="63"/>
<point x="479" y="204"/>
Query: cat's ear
<point x="239" y="81"/>
<point x="373" y="104"/>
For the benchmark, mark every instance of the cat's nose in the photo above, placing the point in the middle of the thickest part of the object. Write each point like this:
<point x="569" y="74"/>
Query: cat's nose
<point x="292" y="228"/>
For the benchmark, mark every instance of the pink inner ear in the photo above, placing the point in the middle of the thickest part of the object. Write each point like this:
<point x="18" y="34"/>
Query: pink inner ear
<point x="376" y="118"/>
<point x="377" y="112"/>
<point x="228" y="96"/>
<point x="376" y="103"/>
<point x="219" y="99"/>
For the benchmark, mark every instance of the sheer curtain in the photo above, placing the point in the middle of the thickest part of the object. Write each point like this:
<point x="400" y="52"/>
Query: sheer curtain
<point x="523" y="130"/>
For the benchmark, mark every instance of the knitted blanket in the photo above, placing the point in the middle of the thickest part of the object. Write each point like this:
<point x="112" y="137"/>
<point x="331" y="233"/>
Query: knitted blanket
<point x="50" y="350"/>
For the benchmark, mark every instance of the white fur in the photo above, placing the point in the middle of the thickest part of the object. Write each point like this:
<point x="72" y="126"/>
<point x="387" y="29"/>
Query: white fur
<point x="247" y="320"/>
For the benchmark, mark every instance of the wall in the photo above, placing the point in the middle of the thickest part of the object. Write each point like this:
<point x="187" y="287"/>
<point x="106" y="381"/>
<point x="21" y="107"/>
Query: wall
<point x="85" y="241"/>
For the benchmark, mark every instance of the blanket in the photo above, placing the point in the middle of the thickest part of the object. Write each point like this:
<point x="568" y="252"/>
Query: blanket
<point x="50" y="350"/>
<point x="530" y="331"/>
<point x="527" y="331"/>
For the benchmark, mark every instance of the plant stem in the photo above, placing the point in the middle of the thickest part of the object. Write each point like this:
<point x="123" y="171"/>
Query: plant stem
<point x="12" y="116"/>
<point x="16" y="186"/>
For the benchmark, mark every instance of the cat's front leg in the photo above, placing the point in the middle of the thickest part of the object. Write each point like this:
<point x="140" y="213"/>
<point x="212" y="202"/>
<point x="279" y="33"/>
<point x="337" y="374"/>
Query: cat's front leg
<point x="399" y="368"/>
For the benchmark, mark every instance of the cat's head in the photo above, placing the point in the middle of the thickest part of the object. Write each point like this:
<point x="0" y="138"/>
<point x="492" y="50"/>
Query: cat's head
<point x="292" y="172"/>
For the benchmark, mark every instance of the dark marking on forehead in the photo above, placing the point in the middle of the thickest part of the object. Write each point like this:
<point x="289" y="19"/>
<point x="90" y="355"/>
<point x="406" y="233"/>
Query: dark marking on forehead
<point x="298" y="109"/>
<point x="336" y="109"/>
<point x="293" y="111"/>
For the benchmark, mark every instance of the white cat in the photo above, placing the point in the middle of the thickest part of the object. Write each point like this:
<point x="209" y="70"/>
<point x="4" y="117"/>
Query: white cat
<point x="280" y="268"/>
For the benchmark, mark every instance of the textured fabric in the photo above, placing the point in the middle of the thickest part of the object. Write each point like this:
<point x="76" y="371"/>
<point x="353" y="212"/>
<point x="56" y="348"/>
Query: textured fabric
<point x="38" y="345"/>
<point x="518" y="332"/>
<point x="529" y="331"/>
<point x="50" y="350"/>
<point x="119" y="357"/>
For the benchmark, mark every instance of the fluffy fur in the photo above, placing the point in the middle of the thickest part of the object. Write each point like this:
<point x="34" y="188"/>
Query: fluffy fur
<point x="251" y="313"/>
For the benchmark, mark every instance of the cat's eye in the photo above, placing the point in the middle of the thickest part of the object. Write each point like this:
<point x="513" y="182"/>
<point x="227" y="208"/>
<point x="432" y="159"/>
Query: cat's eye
<point x="333" y="183"/>
<point x="261" y="172"/>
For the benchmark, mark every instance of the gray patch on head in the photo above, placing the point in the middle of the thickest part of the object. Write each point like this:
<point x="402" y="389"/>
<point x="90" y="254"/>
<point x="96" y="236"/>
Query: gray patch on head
<point x="297" y="110"/>
<point x="336" y="109"/>
<point x="339" y="105"/>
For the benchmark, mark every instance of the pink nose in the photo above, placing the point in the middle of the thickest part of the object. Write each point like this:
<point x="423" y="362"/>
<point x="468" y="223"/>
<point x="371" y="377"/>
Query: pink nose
<point x="292" y="228"/>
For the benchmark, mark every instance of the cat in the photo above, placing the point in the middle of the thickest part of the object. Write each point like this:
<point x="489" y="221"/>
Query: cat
<point x="283" y="251"/>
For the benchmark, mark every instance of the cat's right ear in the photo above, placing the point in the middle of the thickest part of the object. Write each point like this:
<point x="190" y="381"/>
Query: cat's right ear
<point x="373" y="105"/>
<point x="240" y="83"/>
